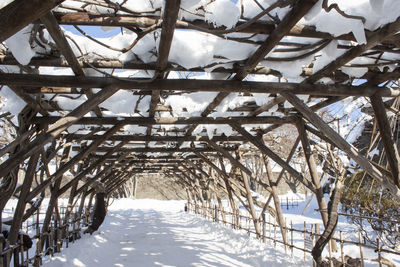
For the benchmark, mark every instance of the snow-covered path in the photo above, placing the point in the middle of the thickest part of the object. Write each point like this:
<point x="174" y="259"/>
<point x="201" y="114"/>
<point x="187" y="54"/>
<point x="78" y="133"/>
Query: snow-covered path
<point x="159" y="233"/>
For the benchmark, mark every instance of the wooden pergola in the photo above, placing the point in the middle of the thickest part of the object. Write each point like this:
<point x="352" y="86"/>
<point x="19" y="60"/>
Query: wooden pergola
<point x="105" y="155"/>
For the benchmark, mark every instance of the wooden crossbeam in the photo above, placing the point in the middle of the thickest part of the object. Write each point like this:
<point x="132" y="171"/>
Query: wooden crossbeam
<point x="372" y="40"/>
<point x="172" y="120"/>
<point x="189" y="85"/>
<point x="62" y="44"/>
<point x="19" y="13"/>
<point x="141" y="138"/>
<point x="260" y="27"/>
<point x="117" y="64"/>
<point x="158" y="149"/>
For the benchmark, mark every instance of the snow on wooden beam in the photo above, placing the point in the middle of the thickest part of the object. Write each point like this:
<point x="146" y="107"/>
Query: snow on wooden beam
<point x="141" y="138"/>
<point x="158" y="150"/>
<point x="190" y="85"/>
<point x="173" y="120"/>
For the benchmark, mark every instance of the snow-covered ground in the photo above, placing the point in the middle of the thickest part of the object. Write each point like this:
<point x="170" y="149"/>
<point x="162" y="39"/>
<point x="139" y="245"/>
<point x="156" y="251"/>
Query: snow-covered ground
<point x="150" y="232"/>
<point x="160" y="233"/>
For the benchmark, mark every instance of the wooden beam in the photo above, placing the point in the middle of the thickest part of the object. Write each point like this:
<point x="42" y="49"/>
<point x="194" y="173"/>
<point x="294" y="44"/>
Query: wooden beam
<point x="159" y="149"/>
<point x="300" y="8"/>
<point x="141" y="138"/>
<point x="54" y="131"/>
<point x="69" y="164"/>
<point x="190" y="85"/>
<point x="116" y="64"/>
<point x="19" y="13"/>
<point x="19" y="210"/>
<point x="342" y="144"/>
<point x="172" y="120"/>
<point x="265" y="150"/>
<point x="392" y="154"/>
<point x="89" y="169"/>
<point x="62" y="44"/>
<point x="372" y="40"/>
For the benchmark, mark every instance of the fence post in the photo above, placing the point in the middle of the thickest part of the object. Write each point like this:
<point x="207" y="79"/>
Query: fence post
<point x="304" y="240"/>
<point x="274" y="234"/>
<point x="361" y="249"/>
<point x="263" y="227"/>
<point x="269" y="227"/>
<point x="379" y="252"/>
<point x="341" y="247"/>
<point x="291" y="236"/>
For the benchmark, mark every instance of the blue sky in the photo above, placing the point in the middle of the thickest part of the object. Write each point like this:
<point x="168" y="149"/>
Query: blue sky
<point x="94" y="31"/>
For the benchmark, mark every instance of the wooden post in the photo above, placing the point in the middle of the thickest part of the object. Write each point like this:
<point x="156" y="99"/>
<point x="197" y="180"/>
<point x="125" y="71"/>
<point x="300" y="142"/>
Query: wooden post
<point x="274" y="234"/>
<point x="263" y="227"/>
<point x="378" y="244"/>
<point x="361" y="249"/>
<point x="291" y="236"/>
<point x="341" y="247"/>
<point x="274" y="193"/>
<point x="21" y="249"/>
<point x="330" y="254"/>
<point x="304" y="235"/>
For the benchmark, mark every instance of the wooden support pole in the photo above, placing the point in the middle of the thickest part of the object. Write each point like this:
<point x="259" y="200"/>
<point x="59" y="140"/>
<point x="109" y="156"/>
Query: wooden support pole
<point x="53" y="198"/>
<point x="22" y="201"/>
<point x="392" y="154"/>
<point x="268" y="152"/>
<point x="312" y="167"/>
<point x="274" y="194"/>
<point x="342" y="144"/>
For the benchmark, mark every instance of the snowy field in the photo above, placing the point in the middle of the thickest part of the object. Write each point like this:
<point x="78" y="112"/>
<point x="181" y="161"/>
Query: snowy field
<point x="160" y="233"/>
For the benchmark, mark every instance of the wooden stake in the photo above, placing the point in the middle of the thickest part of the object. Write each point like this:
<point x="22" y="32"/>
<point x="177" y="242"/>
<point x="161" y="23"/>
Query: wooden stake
<point x="361" y="249"/>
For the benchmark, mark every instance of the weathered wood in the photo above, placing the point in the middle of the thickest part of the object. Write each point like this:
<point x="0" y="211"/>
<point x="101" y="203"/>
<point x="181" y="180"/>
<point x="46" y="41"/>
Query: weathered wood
<point x="342" y="144"/>
<point x="191" y="85"/>
<point x="392" y="154"/>
<point x="41" y="107"/>
<point x="274" y="194"/>
<point x="22" y="201"/>
<point x="19" y="13"/>
<point x="265" y="150"/>
<point x="299" y="9"/>
<point x="55" y="130"/>
<point x="162" y="149"/>
<point x="69" y="164"/>
<point x="62" y="44"/>
<point x="113" y="64"/>
<point x="372" y="40"/>
<point x="172" y="120"/>
<point x="312" y="168"/>
<point x="136" y="138"/>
